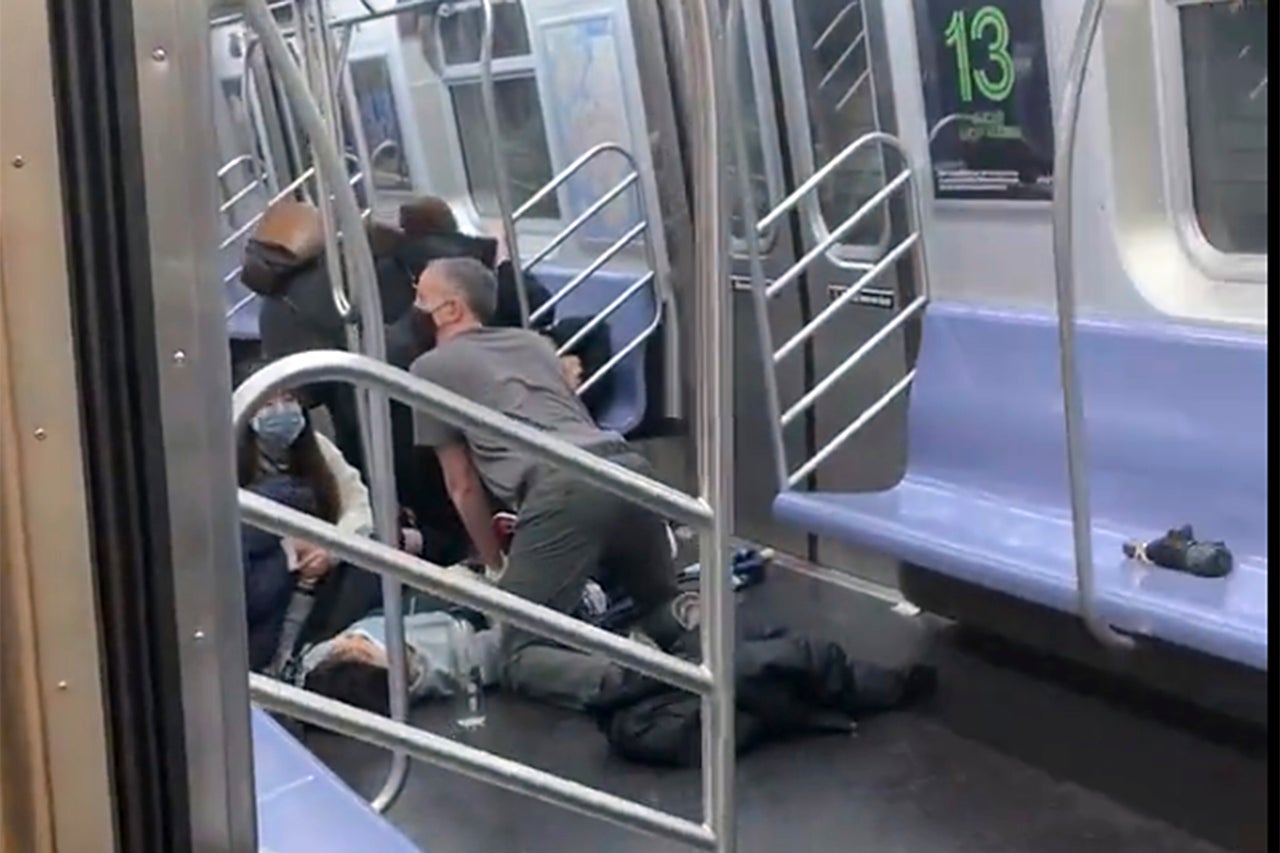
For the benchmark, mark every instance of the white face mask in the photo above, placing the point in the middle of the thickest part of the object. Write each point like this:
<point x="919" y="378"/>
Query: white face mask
<point x="278" y="426"/>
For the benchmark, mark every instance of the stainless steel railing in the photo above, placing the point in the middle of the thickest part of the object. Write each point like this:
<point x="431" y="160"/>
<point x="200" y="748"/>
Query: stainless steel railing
<point x="909" y="247"/>
<point x="378" y="380"/>
<point x="367" y="335"/>
<point x="711" y="679"/>
<point x="501" y="178"/>
<point x="1064" y="281"/>
<point x="665" y="303"/>
<point x="642" y="230"/>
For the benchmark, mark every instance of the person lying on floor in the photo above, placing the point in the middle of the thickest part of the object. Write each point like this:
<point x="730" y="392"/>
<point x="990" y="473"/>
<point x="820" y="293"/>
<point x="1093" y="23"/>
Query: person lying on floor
<point x="442" y="651"/>
<point x="443" y="645"/>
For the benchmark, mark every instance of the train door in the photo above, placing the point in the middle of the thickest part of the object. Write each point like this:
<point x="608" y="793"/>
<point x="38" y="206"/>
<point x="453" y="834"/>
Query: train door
<point x="834" y="79"/>
<point x="754" y="468"/>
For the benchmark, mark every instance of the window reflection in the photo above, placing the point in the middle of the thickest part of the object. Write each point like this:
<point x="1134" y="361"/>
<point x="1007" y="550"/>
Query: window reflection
<point x="836" y="63"/>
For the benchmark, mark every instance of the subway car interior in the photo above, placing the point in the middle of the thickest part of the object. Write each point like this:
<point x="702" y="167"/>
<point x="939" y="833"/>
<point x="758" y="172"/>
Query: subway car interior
<point x="941" y="326"/>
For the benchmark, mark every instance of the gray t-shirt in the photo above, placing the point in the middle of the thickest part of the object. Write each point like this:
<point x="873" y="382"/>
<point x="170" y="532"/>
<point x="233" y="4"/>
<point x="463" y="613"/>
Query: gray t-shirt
<point x="515" y="372"/>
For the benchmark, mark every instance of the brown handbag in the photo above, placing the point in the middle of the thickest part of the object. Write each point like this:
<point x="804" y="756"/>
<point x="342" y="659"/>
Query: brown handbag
<point x="292" y="227"/>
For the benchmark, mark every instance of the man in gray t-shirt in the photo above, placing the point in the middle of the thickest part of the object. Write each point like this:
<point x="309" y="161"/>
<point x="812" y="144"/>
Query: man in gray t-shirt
<point x="568" y="531"/>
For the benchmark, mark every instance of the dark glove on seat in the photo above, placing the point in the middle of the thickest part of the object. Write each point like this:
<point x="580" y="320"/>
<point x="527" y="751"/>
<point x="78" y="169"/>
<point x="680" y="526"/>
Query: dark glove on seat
<point x="1180" y="551"/>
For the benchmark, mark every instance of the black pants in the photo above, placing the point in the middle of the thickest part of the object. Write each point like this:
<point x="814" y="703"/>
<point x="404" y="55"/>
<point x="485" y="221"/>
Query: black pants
<point x="347" y="594"/>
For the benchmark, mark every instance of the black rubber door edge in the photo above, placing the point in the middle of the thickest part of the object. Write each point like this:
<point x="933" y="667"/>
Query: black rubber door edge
<point x="114" y="333"/>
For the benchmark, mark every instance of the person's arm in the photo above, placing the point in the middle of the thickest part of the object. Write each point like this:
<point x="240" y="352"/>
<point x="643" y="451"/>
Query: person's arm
<point x="471" y="500"/>
<point x="357" y="513"/>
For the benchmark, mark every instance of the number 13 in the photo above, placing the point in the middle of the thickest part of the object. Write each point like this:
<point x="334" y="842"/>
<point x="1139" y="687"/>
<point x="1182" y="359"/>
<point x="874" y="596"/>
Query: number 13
<point x="986" y="18"/>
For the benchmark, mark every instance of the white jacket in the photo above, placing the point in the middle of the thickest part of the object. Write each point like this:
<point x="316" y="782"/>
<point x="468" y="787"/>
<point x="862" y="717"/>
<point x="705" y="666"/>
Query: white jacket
<point x="356" y="515"/>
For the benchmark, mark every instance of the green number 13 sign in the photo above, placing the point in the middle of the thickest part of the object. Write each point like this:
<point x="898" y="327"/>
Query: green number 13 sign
<point x="985" y="81"/>
<point x="987" y="30"/>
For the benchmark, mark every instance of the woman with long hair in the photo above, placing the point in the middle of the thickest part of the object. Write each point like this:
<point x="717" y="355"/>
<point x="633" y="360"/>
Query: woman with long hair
<point x="281" y="455"/>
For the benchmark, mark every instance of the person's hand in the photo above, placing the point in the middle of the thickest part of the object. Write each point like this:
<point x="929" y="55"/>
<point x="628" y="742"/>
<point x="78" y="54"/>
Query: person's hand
<point x="500" y="254"/>
<point x="411" y="541"/>
<point x="313" y="561"/>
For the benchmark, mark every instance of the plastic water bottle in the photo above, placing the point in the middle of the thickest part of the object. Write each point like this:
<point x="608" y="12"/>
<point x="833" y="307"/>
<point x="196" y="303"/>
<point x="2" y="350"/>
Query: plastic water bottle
<point x="471" y="714"/>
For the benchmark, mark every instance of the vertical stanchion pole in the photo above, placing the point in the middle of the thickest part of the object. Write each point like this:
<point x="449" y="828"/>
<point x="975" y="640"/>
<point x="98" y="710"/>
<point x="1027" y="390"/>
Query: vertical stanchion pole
<point x="1064" y="279"/>
<point x="501" y="180"/>
<point x="377" y="430"/>
<point x="706" y="51"/>
<point x="735" y="31"/>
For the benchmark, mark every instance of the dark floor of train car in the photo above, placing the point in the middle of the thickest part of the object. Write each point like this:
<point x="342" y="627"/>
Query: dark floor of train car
<point x="1005" y="758"/>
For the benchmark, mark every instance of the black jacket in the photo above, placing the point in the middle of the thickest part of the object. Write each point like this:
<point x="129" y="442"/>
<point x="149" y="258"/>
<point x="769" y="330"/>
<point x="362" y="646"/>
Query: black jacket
<point x="594" y="350"/>
<point x="416" y="252"/>
<point x="786" y="685"/>
<point x="268" y="584"/>
<point x="299" y="315"/>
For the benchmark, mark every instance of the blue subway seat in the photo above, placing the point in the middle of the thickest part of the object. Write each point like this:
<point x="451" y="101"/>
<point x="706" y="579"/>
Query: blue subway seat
<point x="304" y="808"/>
<point x="1177" y="433"/>
<point x="626" y="407"/>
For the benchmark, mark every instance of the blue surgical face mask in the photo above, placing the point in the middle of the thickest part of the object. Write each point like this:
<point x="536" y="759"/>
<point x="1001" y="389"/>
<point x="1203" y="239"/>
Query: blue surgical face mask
<point x="278" y="425"/>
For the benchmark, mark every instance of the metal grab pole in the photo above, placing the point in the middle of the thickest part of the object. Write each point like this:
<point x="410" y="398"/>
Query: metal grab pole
<point x="1064" y="280"/>
<point x="483" y="766"/>
<point x="316" y="54"/>
<point x="306" y="368"/>
<point x="501" y="180"/>
<point x="735" y="29"/>
<point x="705" y="46"/>
<point x="364" y="157"/>
<point x="377" y="434"/>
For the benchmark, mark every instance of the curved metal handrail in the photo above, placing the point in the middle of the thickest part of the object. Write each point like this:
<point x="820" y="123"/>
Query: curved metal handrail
<point x="643" y="228"/>
<point x="763" y="292"/>
<point x="315" y="47"/>
<point x="1064" y="281"/>
<point x="376" y="431"/>
<point x="225" y="168"/>
<point x="572" y="169"/>
<point x="287" y="191"/>
<point x="501" y="179"/>
<point x="878" y="136"/>
<point x="307" y="368"/>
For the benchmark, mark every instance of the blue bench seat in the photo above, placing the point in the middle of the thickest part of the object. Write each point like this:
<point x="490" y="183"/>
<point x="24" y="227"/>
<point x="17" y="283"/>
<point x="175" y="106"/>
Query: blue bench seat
<point x="304" y="808"/>
<point x="628" y="401"/>
<point x="1177" y="432"/>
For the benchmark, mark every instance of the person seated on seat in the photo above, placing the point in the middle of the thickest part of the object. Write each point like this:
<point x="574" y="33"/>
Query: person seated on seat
<point x="284" y="263"/>
<point x="567" y="530"/>
<point x="282" y="456"/>
<point x="431" y="232"/>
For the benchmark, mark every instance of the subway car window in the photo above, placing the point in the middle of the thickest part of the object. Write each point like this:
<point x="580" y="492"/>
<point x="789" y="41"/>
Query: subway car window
<point x="380" y="120"/>
<point x="1224" y="47"/>
<point x="523" y="133"/>
<point x="462" y="24"/>
<point x="837" y="73"/>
